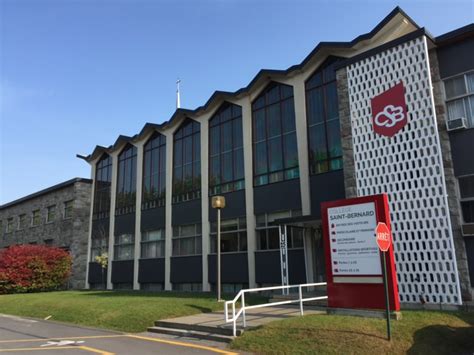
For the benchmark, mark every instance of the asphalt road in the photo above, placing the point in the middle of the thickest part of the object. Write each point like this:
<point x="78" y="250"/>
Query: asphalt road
<point x="23" y="335"/>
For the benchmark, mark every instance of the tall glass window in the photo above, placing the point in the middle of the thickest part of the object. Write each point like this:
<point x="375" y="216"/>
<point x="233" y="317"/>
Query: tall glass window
<point x="233" y="235"/>
<point x="126" y="180"/>
<point x="124" y="247"/>
<point x="153" y="244"/>
<point x="154" y="171"/>
<point x="187" y="162"/>
<point x="275" y="153"/>
<point x="226" y="153"/>
<point x="460" y="97"/>
<point x="103" y="181"/>
<point x="99" y="241"/>
<point x="324" y="133"/>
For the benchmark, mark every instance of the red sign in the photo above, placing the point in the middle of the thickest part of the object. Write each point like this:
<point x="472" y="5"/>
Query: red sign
<point x="389" y="111"/>
<point x="384" y="236"/>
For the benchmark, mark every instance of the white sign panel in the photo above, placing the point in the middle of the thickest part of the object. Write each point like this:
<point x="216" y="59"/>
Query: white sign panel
<point x="354" y="249"/>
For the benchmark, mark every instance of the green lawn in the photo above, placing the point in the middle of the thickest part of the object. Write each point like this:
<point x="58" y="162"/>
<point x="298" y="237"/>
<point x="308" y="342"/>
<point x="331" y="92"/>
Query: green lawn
<point x="124" y="311"/>
<point x="419" y="332"/>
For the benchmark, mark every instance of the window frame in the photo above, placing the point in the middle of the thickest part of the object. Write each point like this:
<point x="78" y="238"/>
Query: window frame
<point x="22" y="218"/>
<point x="51" y="213"/>
<point x="126" y="189"/>
<point x="33" y="217"/>
<point x="10" y="225"/>
<point x="467" y="95"/>
<point x="103" y="188"/>
<point x="181" y="192"/>
<point x="285" y="173"/>
<point x="118" y="245"/>
<point x="160" y="244"/>
<point x="67" y="208"/>
<point x="234" y="184"/>
<point x="322" y="69"/>
<point x="158" y="199"/>
<point x="179" y="237"/>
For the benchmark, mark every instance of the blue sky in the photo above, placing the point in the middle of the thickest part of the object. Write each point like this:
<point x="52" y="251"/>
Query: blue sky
<point x="78" y="73"/>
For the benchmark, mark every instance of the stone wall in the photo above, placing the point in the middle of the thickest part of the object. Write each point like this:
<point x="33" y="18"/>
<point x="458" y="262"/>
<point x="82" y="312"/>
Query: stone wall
<point x="68" y="233"/>
<point x="451" y="184"/>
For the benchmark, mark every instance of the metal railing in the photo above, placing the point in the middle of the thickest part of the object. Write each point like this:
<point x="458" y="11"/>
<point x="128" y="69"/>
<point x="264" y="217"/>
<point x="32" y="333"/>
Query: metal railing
<point x="243" y="307"/>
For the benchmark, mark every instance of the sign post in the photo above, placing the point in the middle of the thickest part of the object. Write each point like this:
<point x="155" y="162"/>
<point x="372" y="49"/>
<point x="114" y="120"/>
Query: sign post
<point x="384" y="240"/>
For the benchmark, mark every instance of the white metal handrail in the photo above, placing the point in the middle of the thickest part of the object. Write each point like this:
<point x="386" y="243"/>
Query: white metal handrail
<point x="243" y="307"/>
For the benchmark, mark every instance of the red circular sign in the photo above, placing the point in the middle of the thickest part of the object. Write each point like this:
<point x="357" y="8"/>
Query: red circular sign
<point x="384" y="236"/>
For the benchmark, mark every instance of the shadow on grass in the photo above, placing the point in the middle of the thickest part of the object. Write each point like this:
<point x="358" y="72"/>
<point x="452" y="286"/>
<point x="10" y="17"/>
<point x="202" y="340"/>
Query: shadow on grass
<point x="442" y="339"/>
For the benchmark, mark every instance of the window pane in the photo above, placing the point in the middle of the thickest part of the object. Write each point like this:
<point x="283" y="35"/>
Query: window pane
<point x="470" y="82"/>
<point x="317" y="141"/>
<point x="229" y="242"/>
<point x="334" y="139"/>
<point x="215" y="171"/>
<point x="273" y="120"/>
<point x="227" y="167"/>
<point x="273" y="95"/>
<point x="178" y="153"/>
<point x="315" y="80"/>
<point x="226" y="136"/>
<point x="262" y="239"/>
<point x="456" y="109"/>
<point x="331" y="101"/>
<point x="197" y="147"/>
<point x="260" y="158"/>
<point x="273" y="238"/>
<point x="291" y="150"/>
<point x="468" y="211"/>
<point x="215" y="140"/>
<point x="288" y="115"/>
<point x="188" y="149"/>
<point x="455" y="87"/>
<point x="238" y="164"/>
<point x="466" y="186"/>
<point x="286" y="91"/>
<point x="259" y="125"/>
<point x="315" y="106"/>
<point x="237" y="133"/>
<point x="275" y="154"/>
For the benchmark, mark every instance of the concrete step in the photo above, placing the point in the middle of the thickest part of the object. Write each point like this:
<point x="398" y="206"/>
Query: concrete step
<point x="192" y="334"/>
<point x="217" y="329"/>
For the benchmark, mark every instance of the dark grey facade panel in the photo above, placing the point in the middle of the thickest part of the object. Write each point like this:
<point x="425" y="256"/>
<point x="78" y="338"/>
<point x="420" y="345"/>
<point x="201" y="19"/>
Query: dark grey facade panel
<point x="470" y="257"/>
<point x="234" y="268"/>
<point x="153" y="218"/>
<point x="96" y="274"/>
<point x="235" y="206"/>
<point x="125" y="224"/>
<point x="122" y="271"/>
<point x="456" y="58"/>
<point x="101" y="225"/>
<point x="186" y="269"/>
<point x="151" y="270"/>
<point x="280" y="196"/>
<point x="462" y="148"/>
<point x="188" y="212"/>
<point x="326" y="187"/>
<point x="268" y="271"/>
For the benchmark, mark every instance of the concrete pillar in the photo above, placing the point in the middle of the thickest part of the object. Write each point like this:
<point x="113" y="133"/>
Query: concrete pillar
<point x="168" y="209"/>
<point x="251" y="234"/>
<point x="138" y="214"/>
<point x="113" y="195"/>
<point x="205" y="202"/>
<point x="89" y="235"/>
<point x="302" y="142"/>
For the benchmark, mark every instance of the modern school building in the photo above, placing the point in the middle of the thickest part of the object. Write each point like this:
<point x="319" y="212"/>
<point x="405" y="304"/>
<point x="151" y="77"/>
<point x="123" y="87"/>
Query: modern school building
<point x="282" y="145"/>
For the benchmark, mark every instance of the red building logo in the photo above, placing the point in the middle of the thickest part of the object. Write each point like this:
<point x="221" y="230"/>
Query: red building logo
<point x="389" y="111"/>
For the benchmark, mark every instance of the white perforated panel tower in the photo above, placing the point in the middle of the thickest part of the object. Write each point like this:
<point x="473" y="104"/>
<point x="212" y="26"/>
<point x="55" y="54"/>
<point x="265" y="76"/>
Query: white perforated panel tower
<point x="409" y="168"/>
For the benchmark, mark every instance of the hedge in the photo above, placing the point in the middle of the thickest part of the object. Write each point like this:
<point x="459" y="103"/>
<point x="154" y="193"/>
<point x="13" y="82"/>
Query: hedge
<point x="32" y="268"/>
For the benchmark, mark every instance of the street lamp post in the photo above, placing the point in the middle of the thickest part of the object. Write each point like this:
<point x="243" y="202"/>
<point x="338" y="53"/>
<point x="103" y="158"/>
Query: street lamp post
<point x="218" y="202"/>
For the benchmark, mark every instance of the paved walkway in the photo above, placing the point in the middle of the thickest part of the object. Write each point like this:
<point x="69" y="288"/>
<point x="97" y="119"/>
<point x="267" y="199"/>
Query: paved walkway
<point x="255" y="317"/>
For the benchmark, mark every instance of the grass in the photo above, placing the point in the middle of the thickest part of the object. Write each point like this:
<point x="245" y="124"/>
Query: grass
<point x="124" y="311"/>
<point x="419" y="332"/>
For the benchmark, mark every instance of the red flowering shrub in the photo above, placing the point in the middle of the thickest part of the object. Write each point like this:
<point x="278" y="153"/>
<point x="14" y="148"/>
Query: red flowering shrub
<point x="30" y="268"/>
